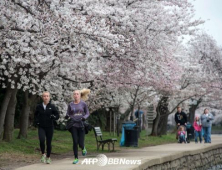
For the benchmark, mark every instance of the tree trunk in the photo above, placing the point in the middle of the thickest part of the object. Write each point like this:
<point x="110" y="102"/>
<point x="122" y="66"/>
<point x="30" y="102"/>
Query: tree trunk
<point x="4" y="106"/>
<point x="144" y="122"/>
<point x="162" y="128"/>
<point x="10" y="117"/>
<point x="160" y="122"/>
<point x="192" y="110"/>
<point x="34" y="101"/>
<point x="192" y="113"/>
<point x="24" y="117"/>
<point x="134" y="102"/>
<point x="155" y="125"/>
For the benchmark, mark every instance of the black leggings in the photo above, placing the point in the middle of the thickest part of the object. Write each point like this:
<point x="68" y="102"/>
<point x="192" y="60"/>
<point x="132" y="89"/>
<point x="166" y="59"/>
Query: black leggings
<point x="45" y="132"/>
<point x="78" y="136"/>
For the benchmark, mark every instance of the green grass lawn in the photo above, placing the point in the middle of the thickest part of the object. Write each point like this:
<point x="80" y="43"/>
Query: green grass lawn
<point x="62" y="142"/>
<point x="145" y="140"/>
<point x="217" y="129"/>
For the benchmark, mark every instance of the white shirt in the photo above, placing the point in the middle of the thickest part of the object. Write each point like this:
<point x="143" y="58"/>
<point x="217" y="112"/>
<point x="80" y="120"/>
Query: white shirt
<point x="44" y="106"/>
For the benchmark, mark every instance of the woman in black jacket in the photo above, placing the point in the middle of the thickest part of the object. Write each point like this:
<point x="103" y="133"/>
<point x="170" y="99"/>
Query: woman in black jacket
<point x="45" y="114"/>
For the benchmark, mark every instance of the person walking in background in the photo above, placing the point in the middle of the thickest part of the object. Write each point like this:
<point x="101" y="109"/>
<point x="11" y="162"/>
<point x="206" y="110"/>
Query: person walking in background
<point x="78" y="111"/>
<point x="180" y="117"/>
<point x="206" y="121"/>
<point x="197" y="129"/>
<point x="45" y="114"/>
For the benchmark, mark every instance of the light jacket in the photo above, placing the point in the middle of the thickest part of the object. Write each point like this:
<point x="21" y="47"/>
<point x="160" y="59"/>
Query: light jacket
<point x="206" y="121"/>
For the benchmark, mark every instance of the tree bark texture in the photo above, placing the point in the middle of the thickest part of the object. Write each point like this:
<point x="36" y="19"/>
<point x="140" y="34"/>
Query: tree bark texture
<point x="192" y="110"/>
<point x="10" y="117"/>
<point x="162" y="128"/>
<point x="24" y="117"/>
<point x="160" y="122"/>
<point x="3" y="110"/>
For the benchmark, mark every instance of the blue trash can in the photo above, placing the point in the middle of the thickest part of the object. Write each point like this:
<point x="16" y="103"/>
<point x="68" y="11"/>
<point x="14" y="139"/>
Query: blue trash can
<point x="129" y="134"/>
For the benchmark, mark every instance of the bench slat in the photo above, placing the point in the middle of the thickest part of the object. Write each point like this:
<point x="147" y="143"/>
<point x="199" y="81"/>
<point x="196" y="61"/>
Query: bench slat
<point x="98" y="132"/>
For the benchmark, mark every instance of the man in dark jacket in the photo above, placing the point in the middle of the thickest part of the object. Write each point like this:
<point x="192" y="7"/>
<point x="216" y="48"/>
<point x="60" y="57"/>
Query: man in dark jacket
<point x="180" y="117"/>
<point x="45" y="114"/>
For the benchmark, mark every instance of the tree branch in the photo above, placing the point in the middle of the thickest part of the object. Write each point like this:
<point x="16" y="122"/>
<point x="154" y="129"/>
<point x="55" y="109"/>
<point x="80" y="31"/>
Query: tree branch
<point x="19" y="29"/>
<point x="25" y="8"/>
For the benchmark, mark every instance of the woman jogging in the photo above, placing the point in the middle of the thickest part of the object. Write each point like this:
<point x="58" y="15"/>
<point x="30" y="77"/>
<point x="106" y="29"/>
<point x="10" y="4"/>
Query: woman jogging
<point x="78" y="111"/>
<point x="45" y="114"/>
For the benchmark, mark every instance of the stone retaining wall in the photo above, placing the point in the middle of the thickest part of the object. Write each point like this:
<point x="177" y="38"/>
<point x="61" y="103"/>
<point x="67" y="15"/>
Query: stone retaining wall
<point x="195" y="160"/>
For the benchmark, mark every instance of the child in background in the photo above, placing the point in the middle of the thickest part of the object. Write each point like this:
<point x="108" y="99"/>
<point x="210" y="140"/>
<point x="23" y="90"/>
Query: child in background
<point x="197" y="129"/>
<point x="181" y="134"/>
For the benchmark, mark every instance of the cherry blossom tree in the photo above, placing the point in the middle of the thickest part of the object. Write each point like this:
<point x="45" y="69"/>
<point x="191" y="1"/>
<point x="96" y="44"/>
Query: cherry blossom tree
<point x="43" y="40"/>
<point x="200" y="81"/>
<point x="108" y="45"/>
<point x="205" y="52"/>
<point x="26" y="55"/>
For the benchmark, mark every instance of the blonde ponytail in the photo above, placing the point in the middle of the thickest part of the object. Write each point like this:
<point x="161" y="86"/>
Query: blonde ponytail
<point x="84" y="94"/>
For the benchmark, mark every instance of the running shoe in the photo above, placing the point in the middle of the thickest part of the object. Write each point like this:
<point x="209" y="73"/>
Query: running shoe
<point x="43" y="159"/>
<point x="75" y="161"/>
<point x="84" y="152"/>
<point x="48" y="161"/>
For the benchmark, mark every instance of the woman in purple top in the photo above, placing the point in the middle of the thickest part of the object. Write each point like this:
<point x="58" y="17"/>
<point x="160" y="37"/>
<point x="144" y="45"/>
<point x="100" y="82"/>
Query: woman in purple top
<point x="79" y="112"/>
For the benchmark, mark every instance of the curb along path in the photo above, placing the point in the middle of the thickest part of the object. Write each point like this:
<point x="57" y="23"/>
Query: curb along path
<point x="131" y="158"/>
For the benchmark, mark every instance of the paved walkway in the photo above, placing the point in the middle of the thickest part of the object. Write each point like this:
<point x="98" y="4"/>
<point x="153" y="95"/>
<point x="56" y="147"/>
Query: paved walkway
<point x="147" y="156"/>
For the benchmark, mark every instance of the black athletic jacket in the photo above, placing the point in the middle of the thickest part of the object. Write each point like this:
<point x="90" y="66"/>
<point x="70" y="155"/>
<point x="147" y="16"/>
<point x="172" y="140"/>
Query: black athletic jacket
<point x="181" y="118"/>
<point x="44" y="118"/>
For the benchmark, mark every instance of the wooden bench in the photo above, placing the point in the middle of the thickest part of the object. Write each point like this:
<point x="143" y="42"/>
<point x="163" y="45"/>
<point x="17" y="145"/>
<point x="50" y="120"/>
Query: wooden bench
<point x="100" y="141"/>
